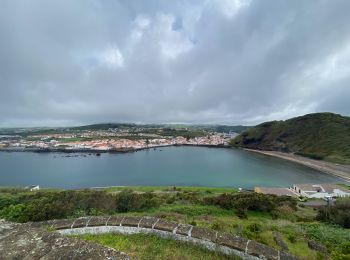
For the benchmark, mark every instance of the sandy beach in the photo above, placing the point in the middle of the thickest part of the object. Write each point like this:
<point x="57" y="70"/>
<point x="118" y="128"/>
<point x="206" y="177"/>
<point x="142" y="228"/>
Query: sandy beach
<point x="339" y="170"/>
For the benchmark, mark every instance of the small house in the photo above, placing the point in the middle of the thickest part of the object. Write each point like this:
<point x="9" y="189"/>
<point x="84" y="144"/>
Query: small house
<point x="34" y="188"/>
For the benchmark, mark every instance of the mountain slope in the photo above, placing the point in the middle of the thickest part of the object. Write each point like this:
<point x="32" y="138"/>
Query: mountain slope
<point x="319" y="136"/>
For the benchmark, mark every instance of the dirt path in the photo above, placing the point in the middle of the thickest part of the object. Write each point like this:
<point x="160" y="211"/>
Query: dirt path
<point x="341" y="171"/>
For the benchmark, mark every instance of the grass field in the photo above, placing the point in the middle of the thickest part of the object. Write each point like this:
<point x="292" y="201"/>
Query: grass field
<point x="142" y="246"/>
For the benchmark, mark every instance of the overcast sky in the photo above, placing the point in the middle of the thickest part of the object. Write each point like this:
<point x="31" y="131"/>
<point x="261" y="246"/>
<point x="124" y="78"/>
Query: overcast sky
<point x="71" y="62"/>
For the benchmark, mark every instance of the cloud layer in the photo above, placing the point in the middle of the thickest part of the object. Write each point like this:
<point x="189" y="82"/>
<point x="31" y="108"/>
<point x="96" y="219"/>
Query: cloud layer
<point x="212" y="61"/>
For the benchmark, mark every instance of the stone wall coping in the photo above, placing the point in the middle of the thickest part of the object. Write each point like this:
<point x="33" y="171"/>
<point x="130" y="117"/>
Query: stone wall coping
<point x="238" y="243"/>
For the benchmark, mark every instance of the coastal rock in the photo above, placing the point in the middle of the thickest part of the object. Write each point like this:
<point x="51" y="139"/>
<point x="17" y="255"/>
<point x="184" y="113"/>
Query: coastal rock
<point x="22" y="241"/>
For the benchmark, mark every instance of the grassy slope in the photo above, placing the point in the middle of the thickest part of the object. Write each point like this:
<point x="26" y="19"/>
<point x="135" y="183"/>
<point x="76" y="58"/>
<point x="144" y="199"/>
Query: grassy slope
<point x="294" y="226"/>
<point x="226" y="221"/>
<point x="321" y="136"/>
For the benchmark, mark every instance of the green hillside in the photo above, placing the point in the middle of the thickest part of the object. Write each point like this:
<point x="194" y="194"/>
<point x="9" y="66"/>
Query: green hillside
<point x="320" y="136"/>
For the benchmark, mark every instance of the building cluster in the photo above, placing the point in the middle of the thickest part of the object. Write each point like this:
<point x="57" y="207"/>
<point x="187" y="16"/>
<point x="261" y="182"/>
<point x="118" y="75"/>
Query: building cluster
<point x="317" y="191"/>
<point x="142" y="143"/>
<point x="107" y="140"/>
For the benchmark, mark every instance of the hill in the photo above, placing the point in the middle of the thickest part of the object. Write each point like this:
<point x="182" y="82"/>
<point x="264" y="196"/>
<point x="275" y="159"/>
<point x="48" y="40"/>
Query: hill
<point x="104" y="126"/>
<point x="223" y="128"/>
<point x="323" y="136"/>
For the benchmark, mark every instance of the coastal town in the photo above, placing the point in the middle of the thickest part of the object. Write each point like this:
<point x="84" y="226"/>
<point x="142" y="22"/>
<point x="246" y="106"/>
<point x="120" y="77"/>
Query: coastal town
<point x="111" y="140"/>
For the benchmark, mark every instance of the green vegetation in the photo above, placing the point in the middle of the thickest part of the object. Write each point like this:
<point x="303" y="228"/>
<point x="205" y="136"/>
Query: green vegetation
<point x="159" y="129"/>
<point x="221" y="128"/>
<point x="174" y="132"/>
<point x="252" y="201"/>
<point x="338" y="214"/>
<point x="251" y="215"/>
<point x="141" y="246"/>
<point x="103" y="126"/>
<point x="323" y="136"/>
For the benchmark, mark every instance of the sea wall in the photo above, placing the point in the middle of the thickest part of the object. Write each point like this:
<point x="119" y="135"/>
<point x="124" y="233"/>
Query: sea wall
<point x="216" y="241"/>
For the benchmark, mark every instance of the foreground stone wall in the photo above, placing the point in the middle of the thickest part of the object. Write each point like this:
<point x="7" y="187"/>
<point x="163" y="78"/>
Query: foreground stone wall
<point x="21" y="241"/>
<point x="213" y="240"/>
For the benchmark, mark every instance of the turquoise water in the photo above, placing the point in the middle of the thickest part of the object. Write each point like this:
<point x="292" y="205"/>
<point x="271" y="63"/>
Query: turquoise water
<point x="185" y="166"/>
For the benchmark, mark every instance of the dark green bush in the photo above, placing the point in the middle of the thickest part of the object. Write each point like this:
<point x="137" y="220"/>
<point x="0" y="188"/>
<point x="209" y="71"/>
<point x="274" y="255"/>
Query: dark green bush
<point x="338" y="214"/>
<point x="242" y="202"/>
<point x="14" y="213"/>
<point x="129" y="201"/>
<point x="241" y="213"/>
<point x="43" y="205"/>
<point x="6" y="201"/>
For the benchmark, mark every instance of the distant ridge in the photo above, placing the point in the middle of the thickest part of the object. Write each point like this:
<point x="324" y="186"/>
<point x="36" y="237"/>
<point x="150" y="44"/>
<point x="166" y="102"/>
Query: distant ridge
<point x="215" y="128"/>
<point x="24" y="131"/>
<point x="103" y="126"/>
<point x="323" y="136"/>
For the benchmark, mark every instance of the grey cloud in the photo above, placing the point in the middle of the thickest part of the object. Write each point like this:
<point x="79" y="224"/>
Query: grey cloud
<point x="77" y="62"/>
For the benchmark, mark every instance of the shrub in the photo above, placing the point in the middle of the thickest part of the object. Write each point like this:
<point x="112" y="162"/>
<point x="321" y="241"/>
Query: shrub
<point x="338" y="214"/>
<point x="292" y="237"/>
<point x="219" y="225"/>
<point x="342" y="252"/>
<point x="253" y="231"/>
<point x="170" y="200"/>
<point x="6" y="201"/>
<point x="255" y="227"/>
<point x="285" y="212"/>
<point x="129" y="201"/>
<point x="193" y="223"/>
<point x="241" y="213"/>
<point x="251" y="201"/>
<point x="43" y="206"/>
<point x="13" y="213"/>
<point x="326" y="234"/>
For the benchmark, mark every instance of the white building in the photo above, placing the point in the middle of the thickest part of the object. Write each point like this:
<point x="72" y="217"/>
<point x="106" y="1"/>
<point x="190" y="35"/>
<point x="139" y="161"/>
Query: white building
<point x="321" y="191"/>
<point x="34" y="187"/>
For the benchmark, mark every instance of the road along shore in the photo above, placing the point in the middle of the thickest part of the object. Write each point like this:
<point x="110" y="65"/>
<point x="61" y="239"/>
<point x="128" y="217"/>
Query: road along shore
<point x="341" y="171"/>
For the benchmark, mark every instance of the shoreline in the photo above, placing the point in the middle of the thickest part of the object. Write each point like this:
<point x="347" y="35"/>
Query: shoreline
<point x="338" y="170"/>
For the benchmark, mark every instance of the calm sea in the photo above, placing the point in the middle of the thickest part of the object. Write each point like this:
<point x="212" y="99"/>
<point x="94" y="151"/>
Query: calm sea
<point x="179" y="166"/>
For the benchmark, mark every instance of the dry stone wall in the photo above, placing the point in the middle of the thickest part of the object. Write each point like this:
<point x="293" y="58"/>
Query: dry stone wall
<point x="213" y="240"/>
